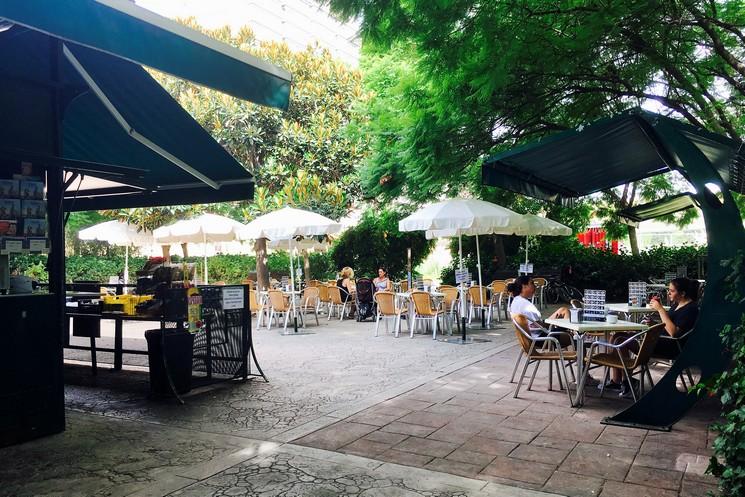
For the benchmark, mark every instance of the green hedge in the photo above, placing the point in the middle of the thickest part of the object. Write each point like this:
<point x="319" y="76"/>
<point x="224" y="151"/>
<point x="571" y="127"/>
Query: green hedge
<point x="228" y="268"/>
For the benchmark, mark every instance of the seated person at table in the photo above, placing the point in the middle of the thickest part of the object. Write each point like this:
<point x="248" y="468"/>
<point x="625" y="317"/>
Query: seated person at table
<point x="346" y="282"/>
<point x="522" y="291"/>
<point x="382" y="283"/>
<point x="680" y="319"/>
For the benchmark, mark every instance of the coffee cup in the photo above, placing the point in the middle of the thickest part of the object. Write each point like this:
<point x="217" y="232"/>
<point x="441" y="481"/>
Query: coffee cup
<point x="611" y="319"/>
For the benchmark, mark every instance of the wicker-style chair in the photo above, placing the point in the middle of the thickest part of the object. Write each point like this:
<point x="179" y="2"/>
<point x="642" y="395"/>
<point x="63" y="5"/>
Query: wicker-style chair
<point x="324" y="298"/>
<point x="403" y="285"/>
<point x="450" y="303"/>
<point x="310" y="302"/>
<point x="498" y="293"/>
<point x="540" y="286"/>
<point x="337" y="302"/>
<point x="479" y="301"/>
<point x="542" y="349"/>
<point x="424" y="311"/>
<point x="386" y="310"/>
<point x="278" y="305"/>
<point x="612" y="357"/>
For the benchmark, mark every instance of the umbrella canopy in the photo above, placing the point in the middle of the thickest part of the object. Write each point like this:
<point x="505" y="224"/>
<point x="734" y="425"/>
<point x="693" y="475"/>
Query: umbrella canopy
<point x="309" y="244"/>
<point x="460" y="216"/>
<point x="202" y="229"/>
<point x="288" y="223"/>
<point x="533" y="225"/>
<point x="117" y="233"/>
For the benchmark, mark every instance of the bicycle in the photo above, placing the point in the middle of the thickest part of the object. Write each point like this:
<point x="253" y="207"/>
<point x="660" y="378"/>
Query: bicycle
<point x="558" y="291"/>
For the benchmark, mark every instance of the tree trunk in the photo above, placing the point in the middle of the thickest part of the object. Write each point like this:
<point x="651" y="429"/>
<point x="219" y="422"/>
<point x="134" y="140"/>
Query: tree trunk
<point x="185" y="250"/>
<point x="262" y="273"/>
<point x="633" y="240"/>
<point x="306" y="267"/>
<point x="166" y="253"/>
<point x="499" y="252"/>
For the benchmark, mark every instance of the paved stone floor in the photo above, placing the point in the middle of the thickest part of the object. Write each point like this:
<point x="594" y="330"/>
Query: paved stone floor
<point x="345" y="413"/>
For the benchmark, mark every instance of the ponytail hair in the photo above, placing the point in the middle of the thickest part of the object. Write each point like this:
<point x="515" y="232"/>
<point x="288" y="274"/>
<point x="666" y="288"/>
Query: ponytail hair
<point x="516" y="287"/>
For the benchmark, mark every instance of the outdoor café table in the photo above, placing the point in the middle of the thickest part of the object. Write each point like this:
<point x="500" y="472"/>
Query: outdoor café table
<point x="633" y="312"/>
<point x="594" y="327"/>
<point x="293" y="295"/>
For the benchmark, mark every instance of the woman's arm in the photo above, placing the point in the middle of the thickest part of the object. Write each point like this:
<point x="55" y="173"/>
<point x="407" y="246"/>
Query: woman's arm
<point x="389" y="285"/>
<point x="670" y="327"/>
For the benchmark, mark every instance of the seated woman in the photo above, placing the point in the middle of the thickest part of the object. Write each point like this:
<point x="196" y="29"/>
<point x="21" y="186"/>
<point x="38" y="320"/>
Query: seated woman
<point x="522" y="290"/>
<point x="682" y="294"/>
<point x="382" y="283"/>
<point x="346" y="282"/>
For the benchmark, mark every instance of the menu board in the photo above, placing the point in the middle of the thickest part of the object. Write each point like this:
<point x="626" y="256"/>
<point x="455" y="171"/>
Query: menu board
<point x="637" y="293"/>
<point x="594" y="305"/>
<point x="23" y="212"/>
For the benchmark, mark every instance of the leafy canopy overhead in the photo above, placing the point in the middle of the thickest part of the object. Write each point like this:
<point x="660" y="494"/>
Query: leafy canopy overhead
<point x="455" y="81"/>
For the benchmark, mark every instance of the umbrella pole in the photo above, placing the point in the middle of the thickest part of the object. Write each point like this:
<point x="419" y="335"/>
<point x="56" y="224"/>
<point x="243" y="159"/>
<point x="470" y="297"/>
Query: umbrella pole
<point x="481" y="293"/>
<point x="292" y="292"/>
<point x="204" y="254"/>
<point x="462" y="292"/>
<point x="126" y="266"/>
<point x="526" y="252"/>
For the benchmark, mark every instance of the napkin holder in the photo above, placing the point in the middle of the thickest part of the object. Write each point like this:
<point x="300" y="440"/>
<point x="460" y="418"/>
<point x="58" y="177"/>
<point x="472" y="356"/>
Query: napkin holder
<point x="576" y="315"/>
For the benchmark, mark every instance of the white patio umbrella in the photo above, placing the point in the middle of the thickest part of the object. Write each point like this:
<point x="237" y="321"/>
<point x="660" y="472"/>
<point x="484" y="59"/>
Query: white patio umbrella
<point x="458" y="217"/>
<point x="533" y="225"/>
<point x="288" y="224"/>
<point x="118" y="233"/>
<point x="207" y="228"/>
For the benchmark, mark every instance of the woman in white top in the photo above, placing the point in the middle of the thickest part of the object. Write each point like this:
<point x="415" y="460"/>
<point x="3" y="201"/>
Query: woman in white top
<point x="522" y="291"/>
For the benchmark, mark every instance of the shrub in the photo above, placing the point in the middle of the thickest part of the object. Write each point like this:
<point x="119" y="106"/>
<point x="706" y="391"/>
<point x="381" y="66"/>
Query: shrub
<point x="376" y="242"/>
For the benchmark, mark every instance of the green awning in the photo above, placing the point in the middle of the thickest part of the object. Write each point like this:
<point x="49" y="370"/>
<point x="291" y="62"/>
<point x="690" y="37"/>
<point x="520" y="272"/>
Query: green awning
<point x="659" y="208"/>
<point x="608" y="153"/>
<point x="123" y="140"/>
<point x="123" y="29"/>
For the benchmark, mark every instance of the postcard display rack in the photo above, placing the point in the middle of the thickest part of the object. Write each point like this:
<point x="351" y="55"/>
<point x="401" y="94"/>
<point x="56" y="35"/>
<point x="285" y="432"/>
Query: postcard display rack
<point x="23" y="213"/>
<point x="594" y="308"/>
<point x="637" y="293"/>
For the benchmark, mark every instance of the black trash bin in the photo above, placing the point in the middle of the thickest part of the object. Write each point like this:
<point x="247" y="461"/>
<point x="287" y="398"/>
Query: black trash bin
<point x="179" y="348"/>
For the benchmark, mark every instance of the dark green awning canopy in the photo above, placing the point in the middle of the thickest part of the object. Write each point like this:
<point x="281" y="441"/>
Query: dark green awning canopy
<point x="121" y="28"/>
<point x="87" y="108"/>
<point x="659" y="208"/>
<point x="608" y="153"/>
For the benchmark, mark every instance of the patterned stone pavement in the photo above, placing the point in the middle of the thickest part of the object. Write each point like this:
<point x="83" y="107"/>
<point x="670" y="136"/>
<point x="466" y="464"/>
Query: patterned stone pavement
<point x="349" y="414"/>
<point x="468" y="423"/>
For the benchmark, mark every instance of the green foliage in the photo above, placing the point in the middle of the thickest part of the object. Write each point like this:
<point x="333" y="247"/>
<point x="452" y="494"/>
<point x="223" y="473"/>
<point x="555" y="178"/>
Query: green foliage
<point x="728" y="461"/>
<point x="376" y="242"/>
<point x="453" y="82"/>
<point x="592" y="268"/>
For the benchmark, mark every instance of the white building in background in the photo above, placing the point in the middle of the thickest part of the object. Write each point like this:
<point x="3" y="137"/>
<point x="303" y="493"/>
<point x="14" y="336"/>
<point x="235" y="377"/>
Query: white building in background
<point x="299" y="23"/>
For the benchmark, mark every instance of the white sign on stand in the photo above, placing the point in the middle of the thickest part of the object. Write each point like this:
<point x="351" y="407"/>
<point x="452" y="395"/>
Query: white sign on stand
<point x="233" y="298"/>
<point x="462" y="276"/>
<point x="13" y="246"/>
<point x="526" y="268"/>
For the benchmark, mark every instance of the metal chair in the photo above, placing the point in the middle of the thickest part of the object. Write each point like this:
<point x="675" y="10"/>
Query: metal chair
<point x="279" y="305"/>
<point x="498" y="291"/>
<point x="386" y="310"/>
<point x="336" y="302"/>
<point x="542" y="349"/>
<point x="324" y="300"/>
<point x="450" y="302"/>
<point x="310" y="302"/>
<point x="540" y="286"/>
<point x="424" y="311"/>
<point x="479" y="301"/>
<point x="631" y="366"/>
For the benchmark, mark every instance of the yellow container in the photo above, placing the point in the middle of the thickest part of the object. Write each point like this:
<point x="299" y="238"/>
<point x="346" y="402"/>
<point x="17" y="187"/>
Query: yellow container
<point x="128" y="302"/>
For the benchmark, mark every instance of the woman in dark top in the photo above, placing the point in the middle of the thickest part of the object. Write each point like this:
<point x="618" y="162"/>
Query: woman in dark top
<point x="682" y="293"/>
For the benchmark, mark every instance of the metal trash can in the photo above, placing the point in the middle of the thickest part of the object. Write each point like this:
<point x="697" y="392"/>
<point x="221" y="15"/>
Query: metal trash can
<point x="179" y="349"/>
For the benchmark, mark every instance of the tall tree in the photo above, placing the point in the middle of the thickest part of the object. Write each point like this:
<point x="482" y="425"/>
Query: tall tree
<point x="494" y="74"/>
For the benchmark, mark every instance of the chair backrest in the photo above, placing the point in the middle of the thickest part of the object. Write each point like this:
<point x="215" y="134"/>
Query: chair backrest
<point x="427" y="282"/>
<point x="522" y="332"/>
<point x="311" y="296"/>
<point x="451" y="295"/>
<point x="331" y="282"/>
<point x="539" y="282"/>
<point x="251" y="283"/>
<point x="648" y="343"/>
<point x="253" y="302"/>
<point x="498" y="286"/>
<point x="478" y="295"/>
<point x="509" y="280"/>
<point x="386" y="302"/>
<point x="323" y="293"/>
<point x="314" y="283"/>
<point x="422" y="303"/>
<point x="335" y="295"/>
<point x="404" y="284"/>
<point x="277" y="300"/>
